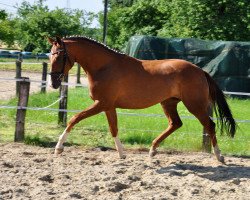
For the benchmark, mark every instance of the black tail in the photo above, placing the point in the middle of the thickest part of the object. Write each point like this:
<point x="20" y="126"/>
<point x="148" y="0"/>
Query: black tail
<point x="222" y="110"/>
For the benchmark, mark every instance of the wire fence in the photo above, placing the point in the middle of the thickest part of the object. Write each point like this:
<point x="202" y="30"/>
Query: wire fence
<point x="85" y="85"/>
<point x="127" y="114"/>
<point x="47" y="108"/>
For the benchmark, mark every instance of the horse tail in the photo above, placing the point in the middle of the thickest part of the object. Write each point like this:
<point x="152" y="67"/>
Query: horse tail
<point x="221" y="108"/>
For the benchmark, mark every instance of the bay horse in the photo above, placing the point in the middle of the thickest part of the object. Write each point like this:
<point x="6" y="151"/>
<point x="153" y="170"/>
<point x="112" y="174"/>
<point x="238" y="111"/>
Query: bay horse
<point x="120" y="81"/>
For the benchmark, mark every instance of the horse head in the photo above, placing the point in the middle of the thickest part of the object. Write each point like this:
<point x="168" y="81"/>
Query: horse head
<point x="59" y="60"/>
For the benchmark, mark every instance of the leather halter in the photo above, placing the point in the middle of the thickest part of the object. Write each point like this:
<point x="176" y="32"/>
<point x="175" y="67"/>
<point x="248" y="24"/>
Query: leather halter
<point x="65" y="57"/>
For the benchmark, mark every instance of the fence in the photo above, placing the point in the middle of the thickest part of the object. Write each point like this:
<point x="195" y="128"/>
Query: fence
<point x="23" y="85"/>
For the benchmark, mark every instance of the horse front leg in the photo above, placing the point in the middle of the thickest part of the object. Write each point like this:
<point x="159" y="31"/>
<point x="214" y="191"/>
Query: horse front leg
<point x="90" y="111"/>
<point x="112" y="120"/>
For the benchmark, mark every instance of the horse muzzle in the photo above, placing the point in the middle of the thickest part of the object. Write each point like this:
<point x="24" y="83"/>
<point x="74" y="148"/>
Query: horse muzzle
<point x="55" y="85"/>
<point x="56" y="80"/>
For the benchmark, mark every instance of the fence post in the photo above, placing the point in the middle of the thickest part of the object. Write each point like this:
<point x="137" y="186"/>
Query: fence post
<point x="206" y="142"/>
<point x="21" y="112"/>
<point x="18" y="75"/>
<point x="62" y="115"/>
<point x="78" y="75"/>
<point x="44" y="77"/>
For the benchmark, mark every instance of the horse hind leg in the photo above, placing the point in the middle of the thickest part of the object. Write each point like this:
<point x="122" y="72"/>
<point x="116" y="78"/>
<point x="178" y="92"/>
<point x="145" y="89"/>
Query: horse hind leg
<point x="209" y="127"/>
<point x="200" y="111"/>
<point x="170" y="109"/>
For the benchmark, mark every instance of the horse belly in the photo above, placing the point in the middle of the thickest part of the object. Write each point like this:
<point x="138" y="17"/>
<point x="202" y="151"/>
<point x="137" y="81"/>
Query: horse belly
<point x="143" y="96"/>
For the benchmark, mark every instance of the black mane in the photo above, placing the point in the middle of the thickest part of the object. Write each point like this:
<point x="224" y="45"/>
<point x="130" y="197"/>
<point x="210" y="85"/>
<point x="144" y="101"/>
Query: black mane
<point x="92" y="41"/>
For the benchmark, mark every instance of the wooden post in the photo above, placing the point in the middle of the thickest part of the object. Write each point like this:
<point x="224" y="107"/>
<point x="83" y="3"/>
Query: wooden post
<point x="44" y="77"/>
<point x="62" y="116"/>
<point x="105" y="22"/>
<point x="78" y="75"/>
<point x="21" y="112"/>
<point x="206" y="142"/>
<point x="18" y="75"/>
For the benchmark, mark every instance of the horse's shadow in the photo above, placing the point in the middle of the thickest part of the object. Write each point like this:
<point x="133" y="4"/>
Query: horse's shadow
<point x="219" y="173"/>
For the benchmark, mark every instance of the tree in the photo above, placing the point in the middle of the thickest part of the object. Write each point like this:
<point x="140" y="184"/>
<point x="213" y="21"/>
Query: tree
<point x="3" y="15"/>
<point x="142" y="17"/>
<point x="213" y="20"/>
<point x="121" y="3"/>
<point x="6" y="30"/>
<point x="35" y="22"/>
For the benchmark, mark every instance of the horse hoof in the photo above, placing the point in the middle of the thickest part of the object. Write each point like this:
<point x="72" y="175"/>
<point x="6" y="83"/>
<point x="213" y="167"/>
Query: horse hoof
<point x="122" y="157"/>
<point x="152" y="153"/>
<point x="58" y="151"/>
<point x="221" y="159"/>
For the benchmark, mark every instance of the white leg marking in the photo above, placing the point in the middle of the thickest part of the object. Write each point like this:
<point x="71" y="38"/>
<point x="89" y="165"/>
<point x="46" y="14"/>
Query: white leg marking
<point x="119" y="147"/>
<point x="62" y="139"/>
<point x="217" y="153"/>
<point x="152" y="152"/>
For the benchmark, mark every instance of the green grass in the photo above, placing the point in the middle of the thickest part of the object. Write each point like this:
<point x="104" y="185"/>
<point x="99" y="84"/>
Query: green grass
<point x="29" y="65"/>
<point x="134" y="131"/>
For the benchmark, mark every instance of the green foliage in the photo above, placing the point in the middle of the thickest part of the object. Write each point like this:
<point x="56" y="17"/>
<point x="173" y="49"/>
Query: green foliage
<point x="35" y="22"/>
<point x="121" y="3"/>
<point x="6" y="30"/>
<point x="3" y="15"/>
<point x="143" y="17"/>
<point x="213" y="20"/>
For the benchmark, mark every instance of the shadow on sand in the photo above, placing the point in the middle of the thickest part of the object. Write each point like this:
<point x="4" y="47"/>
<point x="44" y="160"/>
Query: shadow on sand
<point x="218" y="173"/>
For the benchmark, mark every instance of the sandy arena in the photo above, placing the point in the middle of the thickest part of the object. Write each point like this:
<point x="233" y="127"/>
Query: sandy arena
<point x="29" y="172"/>
<point x="35" y="173"/>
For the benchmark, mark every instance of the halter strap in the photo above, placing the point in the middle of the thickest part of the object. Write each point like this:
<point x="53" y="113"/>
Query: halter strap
<point x="65" y="57"/>
<point x="56" y="52"/>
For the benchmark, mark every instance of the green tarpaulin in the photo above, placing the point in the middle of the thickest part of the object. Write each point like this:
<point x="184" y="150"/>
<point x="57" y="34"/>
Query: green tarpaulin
<point x="228" y="62"/>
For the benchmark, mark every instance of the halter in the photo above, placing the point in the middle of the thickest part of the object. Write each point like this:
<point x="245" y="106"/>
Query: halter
<point x="65" y="57"/>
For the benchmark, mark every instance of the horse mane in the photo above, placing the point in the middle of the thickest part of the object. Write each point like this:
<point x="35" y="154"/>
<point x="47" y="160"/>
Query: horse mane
<point x="93" y="41"/>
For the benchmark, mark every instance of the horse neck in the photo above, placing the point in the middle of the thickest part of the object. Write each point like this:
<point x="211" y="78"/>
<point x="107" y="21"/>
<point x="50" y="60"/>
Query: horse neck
<point x="92" y="57"/>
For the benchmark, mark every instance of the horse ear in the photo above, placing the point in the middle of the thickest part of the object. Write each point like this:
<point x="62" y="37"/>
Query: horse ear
<point x="58" y="40"/>
<point x="50" y="40"/>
